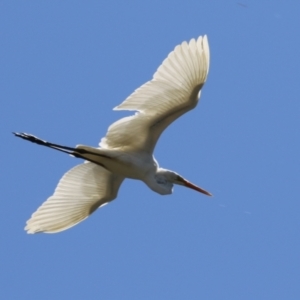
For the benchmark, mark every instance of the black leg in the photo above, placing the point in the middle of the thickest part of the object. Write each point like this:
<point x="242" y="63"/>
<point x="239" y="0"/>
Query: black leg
<point x="36" y="140"/>
<point x="79" y="153"/>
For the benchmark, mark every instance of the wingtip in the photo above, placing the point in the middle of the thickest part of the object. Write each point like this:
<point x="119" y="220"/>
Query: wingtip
<point x="28" y="230"/>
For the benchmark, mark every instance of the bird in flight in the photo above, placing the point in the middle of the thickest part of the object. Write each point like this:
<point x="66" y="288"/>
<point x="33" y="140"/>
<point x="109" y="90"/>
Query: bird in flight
<point x="127" y="149"/>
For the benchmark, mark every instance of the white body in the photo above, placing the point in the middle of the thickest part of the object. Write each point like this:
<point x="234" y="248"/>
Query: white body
<point x="127" y="149"/>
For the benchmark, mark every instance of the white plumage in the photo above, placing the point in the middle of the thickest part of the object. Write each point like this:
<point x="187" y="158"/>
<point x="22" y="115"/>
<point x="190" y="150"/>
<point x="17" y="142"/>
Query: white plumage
<point x="79" y="193"/>
<point x="172" y="92"/>
<point x="127" y="149"/>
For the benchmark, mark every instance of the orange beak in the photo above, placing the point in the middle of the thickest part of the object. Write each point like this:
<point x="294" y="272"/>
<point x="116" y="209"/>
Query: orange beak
<point x="180" y="180"/>
<point x="196" y="188"/>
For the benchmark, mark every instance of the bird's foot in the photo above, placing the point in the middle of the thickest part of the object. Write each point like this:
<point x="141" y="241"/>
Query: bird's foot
<point x="30" y="137"/>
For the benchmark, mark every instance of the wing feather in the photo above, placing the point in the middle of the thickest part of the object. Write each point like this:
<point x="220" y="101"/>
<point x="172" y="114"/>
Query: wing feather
<point x="79" y="193"/>
<point x="174" y="90"/>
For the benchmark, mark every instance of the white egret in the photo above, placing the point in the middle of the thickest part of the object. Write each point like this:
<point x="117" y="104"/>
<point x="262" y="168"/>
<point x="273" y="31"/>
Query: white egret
<point x="127" y="149"/>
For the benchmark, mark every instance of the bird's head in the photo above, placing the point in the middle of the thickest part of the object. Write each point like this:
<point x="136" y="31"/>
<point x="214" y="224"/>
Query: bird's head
<point x="165" y="179"/>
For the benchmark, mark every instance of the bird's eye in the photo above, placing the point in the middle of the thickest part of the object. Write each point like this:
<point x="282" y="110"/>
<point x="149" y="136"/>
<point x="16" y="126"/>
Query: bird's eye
<point x="160" y="180"/>
<point x="179" y="178"/>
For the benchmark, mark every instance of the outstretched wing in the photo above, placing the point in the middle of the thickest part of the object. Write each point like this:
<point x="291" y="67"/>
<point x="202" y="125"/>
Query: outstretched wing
<point x="79" y="193"/>
<point x="174" y="90"/>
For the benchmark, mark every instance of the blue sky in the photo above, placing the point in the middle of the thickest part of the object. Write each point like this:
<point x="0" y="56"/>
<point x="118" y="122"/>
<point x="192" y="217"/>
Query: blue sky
<point x="66" y="64"/>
